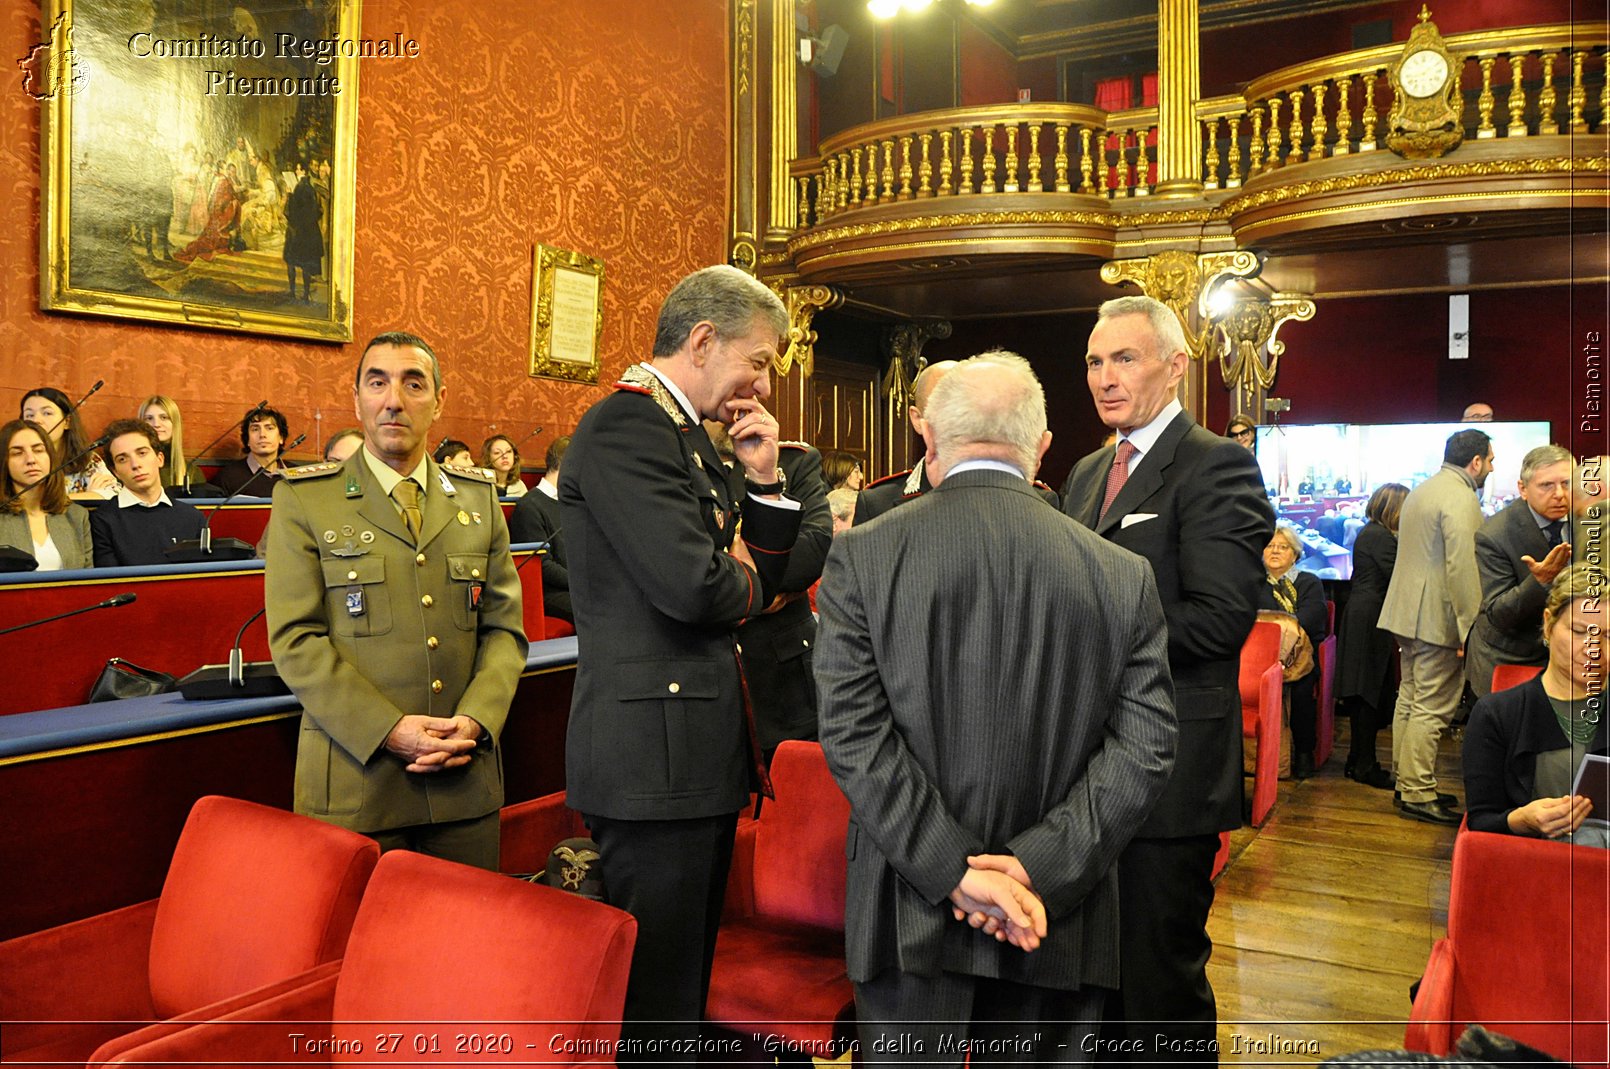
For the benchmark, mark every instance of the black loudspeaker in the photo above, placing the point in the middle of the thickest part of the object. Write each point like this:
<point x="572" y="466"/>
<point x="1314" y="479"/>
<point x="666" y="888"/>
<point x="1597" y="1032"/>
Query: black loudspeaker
<point x="830" y="52"/>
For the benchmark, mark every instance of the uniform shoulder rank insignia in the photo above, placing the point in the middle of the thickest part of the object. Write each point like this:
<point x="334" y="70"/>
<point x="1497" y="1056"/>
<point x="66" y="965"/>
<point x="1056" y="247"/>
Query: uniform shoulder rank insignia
<point x="480" y="475"/>
<point x="888" y="478"/>
<point x="913" y="485"/>
<point x="312" y="471"/>
<point x="639" y="379"/>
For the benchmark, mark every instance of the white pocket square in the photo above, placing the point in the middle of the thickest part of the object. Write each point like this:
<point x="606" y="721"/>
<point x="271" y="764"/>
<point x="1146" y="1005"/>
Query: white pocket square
<point x="1136" y="517"/>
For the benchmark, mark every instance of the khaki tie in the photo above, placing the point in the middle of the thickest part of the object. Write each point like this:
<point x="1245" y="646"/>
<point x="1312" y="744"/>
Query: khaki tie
<point x="406" y="494"/>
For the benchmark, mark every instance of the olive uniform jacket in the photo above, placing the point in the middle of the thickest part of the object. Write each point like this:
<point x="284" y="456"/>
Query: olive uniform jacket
<point x="366" y="627"/>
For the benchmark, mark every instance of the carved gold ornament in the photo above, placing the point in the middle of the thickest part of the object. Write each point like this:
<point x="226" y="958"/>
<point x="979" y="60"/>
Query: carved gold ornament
<point x="1427" y="117"/>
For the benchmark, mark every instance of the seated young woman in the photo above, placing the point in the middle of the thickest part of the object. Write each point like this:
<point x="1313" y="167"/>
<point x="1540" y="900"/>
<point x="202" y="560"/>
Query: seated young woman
<point x="499" y="454"/>
<point x="42" y="521"/>
<point x="1523" y="745"/>
<point x="88" y="478"/>
<point x="163" y="415"/>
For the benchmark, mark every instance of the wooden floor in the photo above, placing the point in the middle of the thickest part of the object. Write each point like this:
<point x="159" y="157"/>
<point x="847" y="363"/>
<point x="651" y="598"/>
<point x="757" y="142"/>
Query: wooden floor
<point x="1325" y="916"/>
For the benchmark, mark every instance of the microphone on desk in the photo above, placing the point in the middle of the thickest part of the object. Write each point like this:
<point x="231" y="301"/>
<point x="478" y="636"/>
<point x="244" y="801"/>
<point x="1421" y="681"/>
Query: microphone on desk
<point x="258" y="407"/>
<point x="534" y="432"/>
<point x="203" y="548"/>
<point x="237" y="679"/>
<point x="109" y="603"/>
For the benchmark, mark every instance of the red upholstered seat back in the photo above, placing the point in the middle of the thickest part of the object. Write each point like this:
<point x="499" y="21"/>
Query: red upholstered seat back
<point x="1258" y="652"/>
<point x="253" y="895"/>
<point x="439" y="942"/>
<point x="799" y="843"/>
<point x="1527" y="920"/>
<point x="1513" y="675"/>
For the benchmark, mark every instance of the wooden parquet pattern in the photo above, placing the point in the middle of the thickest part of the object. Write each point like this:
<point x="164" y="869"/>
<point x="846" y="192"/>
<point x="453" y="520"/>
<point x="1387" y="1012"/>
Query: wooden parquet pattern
<point x="1324" y="917"/>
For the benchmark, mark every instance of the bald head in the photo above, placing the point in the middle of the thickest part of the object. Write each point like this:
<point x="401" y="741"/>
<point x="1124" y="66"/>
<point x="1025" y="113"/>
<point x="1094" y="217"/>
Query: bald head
<point x="1480" y="412"/>
<point x="923" y="387"/>
<point x="989" y="407"/>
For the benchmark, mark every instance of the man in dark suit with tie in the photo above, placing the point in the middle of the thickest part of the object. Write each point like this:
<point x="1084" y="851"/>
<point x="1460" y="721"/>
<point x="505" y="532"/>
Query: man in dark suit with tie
<point x="536" y="519"/>
<point x="998" y="756"/>
<point x="1519" y="551"/>
<point x="1193" y="505"/>
<point x="661" y="752"/>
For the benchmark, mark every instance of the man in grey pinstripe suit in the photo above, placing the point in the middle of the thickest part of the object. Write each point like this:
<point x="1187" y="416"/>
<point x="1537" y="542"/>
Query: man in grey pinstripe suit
<point x="996" y="704"/>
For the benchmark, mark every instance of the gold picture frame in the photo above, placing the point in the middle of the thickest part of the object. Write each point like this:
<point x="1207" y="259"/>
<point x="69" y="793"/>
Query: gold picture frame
<point x="198" y="166"/>
<point x="567" y="314"/>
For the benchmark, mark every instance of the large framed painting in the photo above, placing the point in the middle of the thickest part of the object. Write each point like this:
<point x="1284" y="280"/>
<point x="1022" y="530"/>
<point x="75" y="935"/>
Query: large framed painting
<point x="198" y="163"/>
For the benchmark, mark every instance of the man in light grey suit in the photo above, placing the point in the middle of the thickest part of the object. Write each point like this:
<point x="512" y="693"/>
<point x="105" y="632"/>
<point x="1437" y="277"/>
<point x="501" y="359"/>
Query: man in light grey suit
<point x="998" y="756"/>
<point x="1518" y="553"/>
<point x="1431" y="604"/>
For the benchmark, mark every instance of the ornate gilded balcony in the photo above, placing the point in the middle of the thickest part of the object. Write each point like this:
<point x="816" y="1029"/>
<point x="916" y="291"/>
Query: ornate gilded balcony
<point x="1300" y="160"/>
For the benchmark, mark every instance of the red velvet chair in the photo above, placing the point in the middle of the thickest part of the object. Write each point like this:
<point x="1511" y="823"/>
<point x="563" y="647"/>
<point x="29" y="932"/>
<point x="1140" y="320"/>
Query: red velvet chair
<point x="1527" y="949"/>
<point x="779" y="965"/>
<point x="1261" y="705"/>
<point x="446" y="964"/>
<point x="1513" y="675"/>
<point x="530" y="830"/>
<point x="253" y="896"/>
<point x="1325" y="720"/>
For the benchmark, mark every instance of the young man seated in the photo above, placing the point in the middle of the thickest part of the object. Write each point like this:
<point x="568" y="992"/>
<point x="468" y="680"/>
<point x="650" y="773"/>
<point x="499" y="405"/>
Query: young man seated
<point x="138" y="526"/>
<point x="262" y="436"/>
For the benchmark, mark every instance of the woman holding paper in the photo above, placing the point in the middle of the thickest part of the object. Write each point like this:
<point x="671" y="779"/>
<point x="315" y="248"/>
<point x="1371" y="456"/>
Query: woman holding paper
<point x="1524" y="745"/>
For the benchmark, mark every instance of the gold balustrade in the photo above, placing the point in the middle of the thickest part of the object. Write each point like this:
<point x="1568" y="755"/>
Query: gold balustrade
<point x="1517" y="82"/>
<point x="1336" y="106"/>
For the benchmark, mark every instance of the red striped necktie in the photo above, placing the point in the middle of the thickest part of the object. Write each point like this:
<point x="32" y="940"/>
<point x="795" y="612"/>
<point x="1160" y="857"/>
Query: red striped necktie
<point x="1117" y="476"/>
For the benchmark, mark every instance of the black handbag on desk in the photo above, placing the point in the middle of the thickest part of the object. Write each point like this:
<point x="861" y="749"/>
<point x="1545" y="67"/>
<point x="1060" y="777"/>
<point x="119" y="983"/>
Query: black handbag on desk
<point x="120" y="679"/>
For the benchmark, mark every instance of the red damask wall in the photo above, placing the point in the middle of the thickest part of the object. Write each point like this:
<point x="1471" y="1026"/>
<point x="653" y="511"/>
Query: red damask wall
<point x="599" y="127"/>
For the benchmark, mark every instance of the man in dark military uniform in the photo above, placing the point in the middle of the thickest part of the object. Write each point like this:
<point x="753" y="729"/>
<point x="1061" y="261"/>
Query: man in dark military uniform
<point x="660" y="755"/>
<point x="394" y="615"/>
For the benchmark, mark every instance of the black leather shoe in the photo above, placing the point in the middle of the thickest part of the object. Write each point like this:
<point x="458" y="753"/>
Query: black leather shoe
<point x="1430" y="812"/>
<point x="1373" y="776"/>
<point x="1302" y="765"/>
<point x="1442" y="799"/>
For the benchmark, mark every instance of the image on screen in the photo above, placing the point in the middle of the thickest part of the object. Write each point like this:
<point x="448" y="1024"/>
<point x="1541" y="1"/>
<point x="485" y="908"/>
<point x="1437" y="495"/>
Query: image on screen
<point x="1319" y="477"/>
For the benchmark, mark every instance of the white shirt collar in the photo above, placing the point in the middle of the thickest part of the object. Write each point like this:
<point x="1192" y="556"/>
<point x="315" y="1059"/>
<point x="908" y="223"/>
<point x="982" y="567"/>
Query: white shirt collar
<point x="1143" y="438"/>
<point x="681" y="398"/>
<point x="549" y="492"/>
<point x="127" y="499"/>
<point x="984" y="464"/>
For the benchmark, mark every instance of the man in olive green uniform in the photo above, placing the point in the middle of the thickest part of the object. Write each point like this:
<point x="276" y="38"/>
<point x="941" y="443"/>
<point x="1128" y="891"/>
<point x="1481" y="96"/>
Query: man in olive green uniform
<point x="394" y="614"/>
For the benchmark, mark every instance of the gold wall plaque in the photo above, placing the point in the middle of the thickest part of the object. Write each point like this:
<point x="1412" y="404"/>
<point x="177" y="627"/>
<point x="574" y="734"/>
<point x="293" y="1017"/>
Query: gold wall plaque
<point x="203" y="177"/>
<point x="567" y="314"/>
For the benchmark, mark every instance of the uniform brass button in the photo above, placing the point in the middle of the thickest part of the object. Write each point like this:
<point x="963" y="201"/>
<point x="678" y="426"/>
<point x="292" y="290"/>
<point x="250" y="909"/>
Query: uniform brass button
<point x="420" y="559"/>
<point x="805" y="642"/>
<point x="427" y="601"/>
<point x="432" y="642"/>
<point x="475" y="573"/>
<point x="675" y="688"/>
<point x="739" y="646"/>
<point x="352" y="575"/>
<point x="435" y="686"/>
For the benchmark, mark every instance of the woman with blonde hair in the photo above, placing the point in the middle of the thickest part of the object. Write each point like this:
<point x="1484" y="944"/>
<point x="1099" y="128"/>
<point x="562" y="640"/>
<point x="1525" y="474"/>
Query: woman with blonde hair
<point x="1524" y="744"/>
<point x="163" y="414"/>
<point x="499" y="454"/>
<point x="38" y="517"/>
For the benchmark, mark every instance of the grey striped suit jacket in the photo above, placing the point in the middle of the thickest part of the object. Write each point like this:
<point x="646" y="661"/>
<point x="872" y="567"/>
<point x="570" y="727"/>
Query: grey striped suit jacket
<point x="993" y="677"/>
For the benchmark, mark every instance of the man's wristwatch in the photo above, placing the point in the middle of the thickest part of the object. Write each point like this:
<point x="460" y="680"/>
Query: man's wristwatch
<point x="776" y="487"/>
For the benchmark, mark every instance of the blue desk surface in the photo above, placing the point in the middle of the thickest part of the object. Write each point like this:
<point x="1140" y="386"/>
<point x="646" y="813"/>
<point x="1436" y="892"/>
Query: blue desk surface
<point x="83" y="725"/>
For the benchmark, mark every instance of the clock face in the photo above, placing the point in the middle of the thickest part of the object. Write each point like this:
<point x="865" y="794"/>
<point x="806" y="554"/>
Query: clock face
<point x="1423" y="73"/>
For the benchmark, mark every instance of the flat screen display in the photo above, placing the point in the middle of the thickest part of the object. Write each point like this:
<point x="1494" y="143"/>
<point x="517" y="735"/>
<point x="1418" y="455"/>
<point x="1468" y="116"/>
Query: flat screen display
<point x="1319" y="477"/>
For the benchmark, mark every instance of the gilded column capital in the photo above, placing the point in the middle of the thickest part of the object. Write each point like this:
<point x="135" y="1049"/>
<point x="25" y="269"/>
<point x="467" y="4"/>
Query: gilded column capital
<point x="1249" y="352"/>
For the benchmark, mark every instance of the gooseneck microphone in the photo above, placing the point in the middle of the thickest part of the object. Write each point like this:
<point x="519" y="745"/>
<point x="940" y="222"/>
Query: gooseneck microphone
<point x="202" y="548"/>
<point x="109" y="603"/>
<point x="239" y="678"/>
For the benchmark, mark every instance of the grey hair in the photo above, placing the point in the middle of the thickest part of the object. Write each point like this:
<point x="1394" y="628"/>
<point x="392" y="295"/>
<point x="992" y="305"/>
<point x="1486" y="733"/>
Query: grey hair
<point x="1165" y="324"/>
<point x="1542" y="457"/>
<point x="726" y="298"/>
<point x="990" y="405"/>
<point x="1296" y="544"/>
<point x="841" y="502"/>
